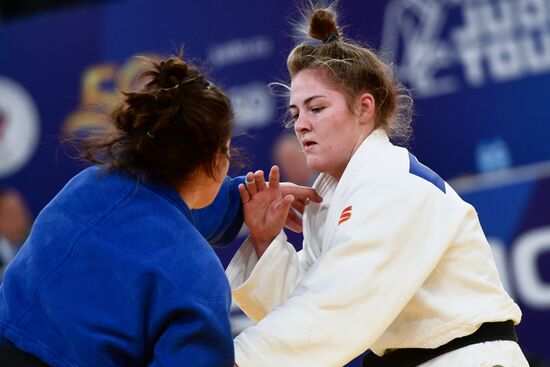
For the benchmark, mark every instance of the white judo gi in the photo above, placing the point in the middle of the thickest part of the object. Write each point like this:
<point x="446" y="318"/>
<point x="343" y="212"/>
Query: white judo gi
<point x="392" y="258"/>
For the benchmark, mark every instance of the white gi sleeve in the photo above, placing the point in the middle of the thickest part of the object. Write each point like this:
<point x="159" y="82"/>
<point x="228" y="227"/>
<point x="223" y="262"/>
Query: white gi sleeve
<point x="258" y="286"/>
<point x="375" y="263"/>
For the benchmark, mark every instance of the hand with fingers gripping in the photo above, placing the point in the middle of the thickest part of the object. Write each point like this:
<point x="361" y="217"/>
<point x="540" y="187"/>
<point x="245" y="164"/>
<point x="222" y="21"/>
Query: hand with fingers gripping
<point x="302" y="196"/>
<point x="266" y="208"/>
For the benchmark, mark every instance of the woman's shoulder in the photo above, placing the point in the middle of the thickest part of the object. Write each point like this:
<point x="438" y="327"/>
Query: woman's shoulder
<point x="393" y="173"/>
<point x="397" y="167"/>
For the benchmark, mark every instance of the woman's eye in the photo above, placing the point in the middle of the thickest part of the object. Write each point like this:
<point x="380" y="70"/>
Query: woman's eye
<point x="294" y="116"/>
<point x="317" y="109"/>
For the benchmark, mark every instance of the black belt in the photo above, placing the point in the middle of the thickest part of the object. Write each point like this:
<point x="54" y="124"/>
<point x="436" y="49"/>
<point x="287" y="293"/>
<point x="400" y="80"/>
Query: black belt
<point x="13" y="357"/>
<point x="411" y="357"/>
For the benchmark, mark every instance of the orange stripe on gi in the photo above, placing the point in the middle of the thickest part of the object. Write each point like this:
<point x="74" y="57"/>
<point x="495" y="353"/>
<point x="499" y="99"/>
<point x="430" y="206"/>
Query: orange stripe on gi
<point x="346" y="214"/>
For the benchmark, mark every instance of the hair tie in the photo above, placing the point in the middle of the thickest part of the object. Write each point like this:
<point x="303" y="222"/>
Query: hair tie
<point x="149" y="135"/>
<point x="170" y="88"/>
<point x="331" y="37"/>
<point x="165" y="90"/>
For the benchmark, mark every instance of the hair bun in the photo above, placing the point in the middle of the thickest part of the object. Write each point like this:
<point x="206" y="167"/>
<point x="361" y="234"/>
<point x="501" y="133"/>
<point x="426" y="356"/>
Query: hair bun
<point x="171" y="72"/>
<point x="323" y="25"/>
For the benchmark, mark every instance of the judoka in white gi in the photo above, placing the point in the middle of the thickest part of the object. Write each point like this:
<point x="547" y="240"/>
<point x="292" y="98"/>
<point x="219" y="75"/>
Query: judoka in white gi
<point x="392" y="258"/>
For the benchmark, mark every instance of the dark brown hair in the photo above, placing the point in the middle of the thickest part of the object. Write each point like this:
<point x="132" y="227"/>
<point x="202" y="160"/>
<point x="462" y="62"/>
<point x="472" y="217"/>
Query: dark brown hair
<point x="352" y="69"/>
<point x="178" y="122"/>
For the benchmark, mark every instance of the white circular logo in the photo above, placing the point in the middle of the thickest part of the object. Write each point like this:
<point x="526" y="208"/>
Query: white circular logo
<point x="19" y="127"/>
<point x="253" y="105"/>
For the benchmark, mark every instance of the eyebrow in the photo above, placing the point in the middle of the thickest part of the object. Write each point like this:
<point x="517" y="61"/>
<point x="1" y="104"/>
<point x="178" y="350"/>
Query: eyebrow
<point x="307" y="100"/>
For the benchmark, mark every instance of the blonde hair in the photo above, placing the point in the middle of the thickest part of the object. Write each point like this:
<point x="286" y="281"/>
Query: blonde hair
<point x="352" y="69"/>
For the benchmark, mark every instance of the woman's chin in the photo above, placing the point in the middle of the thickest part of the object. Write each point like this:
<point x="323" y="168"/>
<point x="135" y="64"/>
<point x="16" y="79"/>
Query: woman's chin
<point x="315" y="165"/>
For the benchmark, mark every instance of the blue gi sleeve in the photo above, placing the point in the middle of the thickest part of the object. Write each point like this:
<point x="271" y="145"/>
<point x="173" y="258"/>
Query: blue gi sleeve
<point x="220" y="222"/>
<point x="196" y="336"/>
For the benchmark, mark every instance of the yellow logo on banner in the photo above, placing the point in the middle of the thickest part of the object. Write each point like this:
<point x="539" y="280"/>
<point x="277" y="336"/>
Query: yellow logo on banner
<point x="100" y="93"/>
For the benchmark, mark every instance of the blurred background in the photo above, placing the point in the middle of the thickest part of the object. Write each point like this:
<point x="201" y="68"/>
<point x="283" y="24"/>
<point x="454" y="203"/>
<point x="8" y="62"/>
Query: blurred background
<point x="478" y="70"/>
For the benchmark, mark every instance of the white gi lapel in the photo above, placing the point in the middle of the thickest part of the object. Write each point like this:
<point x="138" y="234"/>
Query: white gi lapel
<point x="356" y="167"/>
<point x="315" y="215"/>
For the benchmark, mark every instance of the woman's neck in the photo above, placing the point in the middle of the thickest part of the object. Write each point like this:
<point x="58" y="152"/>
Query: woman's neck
<point x="199" y="191"/>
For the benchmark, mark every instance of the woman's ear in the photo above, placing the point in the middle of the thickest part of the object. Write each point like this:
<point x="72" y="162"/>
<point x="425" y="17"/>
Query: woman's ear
<point x="367" y="107"/>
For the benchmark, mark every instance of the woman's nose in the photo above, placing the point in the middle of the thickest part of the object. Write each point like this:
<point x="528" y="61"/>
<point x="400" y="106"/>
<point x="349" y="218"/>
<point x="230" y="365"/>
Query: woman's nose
<point x="302" y="124"/>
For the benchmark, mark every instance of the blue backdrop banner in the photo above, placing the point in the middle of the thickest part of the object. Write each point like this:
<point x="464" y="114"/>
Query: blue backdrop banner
<point x="478" y="70"/>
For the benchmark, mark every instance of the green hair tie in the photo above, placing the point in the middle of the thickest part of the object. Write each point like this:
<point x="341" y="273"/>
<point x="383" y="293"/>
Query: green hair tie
<point x="149" y="135"/>
<point x="331" y="38"/>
